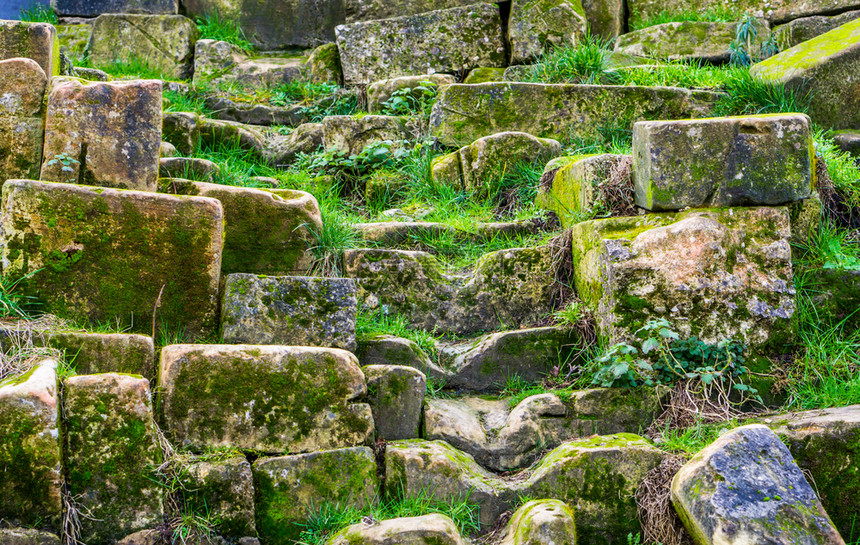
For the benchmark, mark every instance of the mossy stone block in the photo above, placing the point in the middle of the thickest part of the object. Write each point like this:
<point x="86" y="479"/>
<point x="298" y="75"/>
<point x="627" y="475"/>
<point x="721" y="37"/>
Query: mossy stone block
<point x="541" y="522"/>
<point x="103" y="133"/>
<point x="324" y="65"/>
<point x="464" y="113"/>
<point x="30" y="458"/>
<point x="827" y="70"/>
<point x="276" y="399"/>
<point x="688" y="41"/>
<point x="22" y="116"/>
<point x="224" y="488"/>
<point x="112" y="451"/>
<point x="713" y="273"/>
<point x="573" y="191"/>
<point x="291" y="488"/>
<point x="94" y="8"/>
<point x="804" y="29"/>
<point x="396" y="398"/>
<point x="446" y="40"/>
<point x="536" y="27"/>
<point x="350" y="134"/>
<point x="726" y="161"/>
<point x="27" y="536"/>
<point x="747" y="483"/>
<point x="435" y="529"/>
<point x="371" y="10"/>
<point x="108" y="254"/>
<point x="36" y="41"/>
<point x="289" y="310"/>
<point x="284" y="24"/>
<point x="484" y="74"/>
<point x="775" y="11"/>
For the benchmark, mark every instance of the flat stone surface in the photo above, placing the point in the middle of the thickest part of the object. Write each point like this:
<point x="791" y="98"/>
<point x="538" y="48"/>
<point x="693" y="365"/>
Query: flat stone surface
<point x="289" y="488"/>
<point x="747" y="484"/>
<point x="22" y="115"/>
<point x="448" y="40"/>
<point x="30" y="456"/>
<point x="289" y="310"/>
<point x="689" y="40"/>
<point x="275" y="399"/>
<point x="825" y="68"/>
<point x="224" y="489"/>
<point x="729" y="161"/>
<point x="536" y="27"/>
<point x="464" y="113"/>
<point x="171" y="252"/>
<point x="36" y="41"/>
<point x="693" y="268"/>
<point x="396" y="398"/>
<point x="435" y="529"/>
<point x="111" y="452"/>
<point x="541" y="522"/>
<point x="93" y="8"/>
<point x="104" y="133"/>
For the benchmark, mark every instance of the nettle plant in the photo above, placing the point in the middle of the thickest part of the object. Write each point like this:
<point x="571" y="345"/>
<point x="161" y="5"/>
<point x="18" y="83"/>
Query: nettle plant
<point x="662" y="357"/>
<point x="66" y="161"/>
<point x="414" y="100"/>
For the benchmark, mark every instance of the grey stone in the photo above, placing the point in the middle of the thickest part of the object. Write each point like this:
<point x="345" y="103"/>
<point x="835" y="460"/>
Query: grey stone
<point x="390" y="350"/>
<point x="306" y="138"/>
<point x="536" y="27"/>
<point x="606" y="18"/>
<point x="22" y="117"/>
<point x="747" y="484"/>
<point x="805" y="28"/>
<point x="166" y="149"/>
<point x="349" y="135"/>
<point x="689" y="41"/>
<point x="371" y="10"/>
<point x="435" y="529"/>
<point x="729" y="161"/>
<point x="214" y="58"/>
<point x="27" y="536"/>
<point x="396" y="397"/>
<point x="282" y="24"/>
<point x="289" y="310"/>
<point x="93" y="8"/>
<point x="182" y="130"/>
<point x="303" y="395"/>
<point x="447" y="40"/>
<point x="541" y="522"/>
<point x="380" y="92"/>
<point x="225" y="490"/>
<point x="848" y="141"/>
<point x="255" y="114"/>
<point x="35" y="41"/>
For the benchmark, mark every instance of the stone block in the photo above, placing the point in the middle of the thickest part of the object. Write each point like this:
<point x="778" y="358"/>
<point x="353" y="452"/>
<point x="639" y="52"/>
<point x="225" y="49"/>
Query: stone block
<point x="22" y="116"/>
<point x="729" y="161"/>
<point x="224" y="488"/>
<point x="289" y="310"/>
<point x="688" y="41"/>
<point x="396" y="397"/>
<point x="108" y="254"/>
<point x="435" y="529"/>
<point x="94" y="8"/>
<point x="276" y="399"/>
<point x="103" y="133"/>
<point x="349" y="135"/>
<point x="573" y="190"/>
<point x="536" y="27"/>
<point x="36" y="41"/>
<point x="541" y="522"/>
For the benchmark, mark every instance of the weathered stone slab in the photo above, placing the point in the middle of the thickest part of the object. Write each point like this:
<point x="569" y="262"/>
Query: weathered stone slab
<point x="30" y="456"/>
<point x="36" y="41"/>
<point x="689" y="40"/>
<point x="464" y="113"/>
<point x="380" y="92"/>
<point x="90" y="353"/>
<point x="716" y="274"/>
<point x="541" y="522"/>
<point x="606" y="18"/>
<point x="111" y="454"/>
<point x="597" y="477"/>
<point x="94" y="8"/>
<point x="266" y="232"/>
<point x="804" y="29"/>
<point x="728" y="161"/>
<point x="27" y="536"/>
<point x="396" y="398"/>
<point x="746" y="483"/>
<point x="503" y="438"/>
<point x="105" y="134"/>
<point x="306" y="138"/>
<point x="289" y="310"/>
<point x="350" y="135"/>
<point x="391" y="350"/>
<point x="508" y="286"/>
<point x="190" y="168"/>
<point x="535" y="27"/>
<point x="371" y="10"/>
<point x="277" y="399"/>
<point x="487" y="158"/>
<point x="483" y="75"/>
<point x="435" y="529"/>
<point x="574" y="190"/>
<point x="109" y="254"/>
<point x="225" y="490"/>
<point x="825" y="68"/>
<point x="826" y="443"/>
<point x="775" y="11"/>
<point x="445" y="40"/>
<point x="22" y="115"/>
<point x="290" y="488"/>
<point x="281" y="24"/>
<point x="162" y="42"/>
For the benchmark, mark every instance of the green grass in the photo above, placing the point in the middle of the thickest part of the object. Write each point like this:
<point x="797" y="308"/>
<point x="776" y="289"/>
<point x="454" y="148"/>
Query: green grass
<point x="714" y="14"/>
<point x="13" y="302"/>
<point x="238" y="166"/>
<point x="688" y="74"/>
<point x="335" y="236"/>
<point x="135" y="68"/>
<point x="841" y="167"/>
<point x="584" y="62"/>
<point x="192" y="101"/>
<point x="693" y="439"/>
<point x="213" y="27"/>
<point x="39" y="13"/>
<point x="748" y="95"/>
<point x="329" y="519"/>
<point x="371" y="323"/>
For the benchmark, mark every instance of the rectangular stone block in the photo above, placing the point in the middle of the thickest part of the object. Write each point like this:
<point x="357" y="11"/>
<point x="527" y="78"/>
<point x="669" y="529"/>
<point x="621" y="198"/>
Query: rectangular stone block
<point x="282" y="24"/>
<point x="277" y="399"/>
<point x="22" y="116"/>
<point x="94" y="8"/>
<point x="111" y="454"/>
<point x="36" y="41"/>
<point x="30" y="458"/>
<point x="290" y="488"/>
<point x="826" y="71"/>
<point x="108" y="254"/>
<point x="574" y="191"/>
<point x="727" y="161"/>
<point x="775" y="11"/>
<point x="445" y="40"/>
<point x="265" y="232"/>
<point x="289" y="310"/>
<point x="103" y="133"/>
<point x="225" y="489"/>
<point x="713" y="273"/>
<point x="465" y="113"/>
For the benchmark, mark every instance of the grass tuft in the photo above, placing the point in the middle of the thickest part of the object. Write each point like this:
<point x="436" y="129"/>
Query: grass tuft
<point x="713" y="14"/>
<point x="39" y="13"/>
<point x="369" y="324"/>
<point x="213" y="27"/>
<point x="583" y="62"/>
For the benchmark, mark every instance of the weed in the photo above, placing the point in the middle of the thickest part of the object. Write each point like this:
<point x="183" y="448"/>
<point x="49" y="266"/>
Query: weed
<point x="749" y="95"/>
<point x="14" y="303"/>
<point x="415" y="100"/>
<point x="213" y="27"/>
<point x="436" y="389"/>
<point x="583" y="62"/>
<point x="193" y="100"/>
<point x="39" y="13"/>
<point x="742" y="51"/>
<point x="369" y="324"/>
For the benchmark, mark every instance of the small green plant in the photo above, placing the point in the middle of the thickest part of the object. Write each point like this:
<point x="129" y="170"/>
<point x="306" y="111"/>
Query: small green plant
<point x="371" y="323"/>
<point x="66" y="163"/>
<point x="662" y="357"/>
<point x="192" y="527"/>
<point x="13" y="303"/>
<point x="213" y="27"/>
<point x="383" y="154"/>
<point x="39" y="13"/>
<point x="416" y="100"/>
<point x="570" y="315"/>
<point x="583" y="62"/>
<point x="743" y="52"/>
